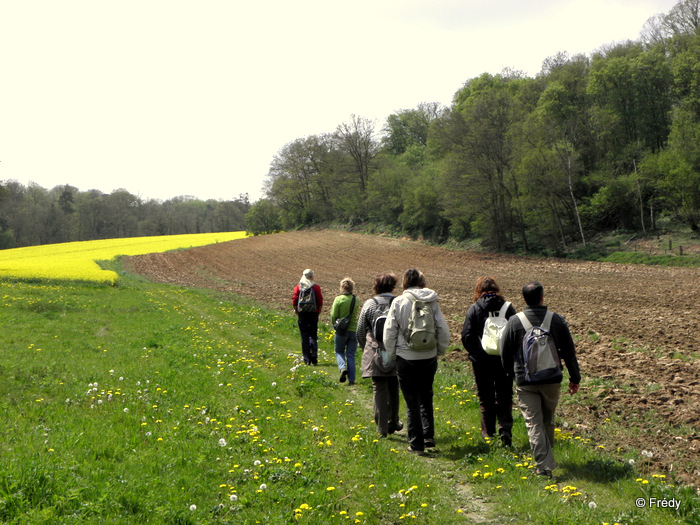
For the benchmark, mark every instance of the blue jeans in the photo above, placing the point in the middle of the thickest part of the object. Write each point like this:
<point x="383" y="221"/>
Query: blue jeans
<point x="345" y="348"/>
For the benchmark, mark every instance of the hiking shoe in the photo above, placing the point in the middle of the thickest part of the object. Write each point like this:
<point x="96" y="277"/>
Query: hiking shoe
<point x="395" y="427"/>
<point x="343" y="375"/>
<point x="415" y="451"/>
<point x="429" y="443"/>
<point x="545" y="473"/>
<point x="507" y="440"/>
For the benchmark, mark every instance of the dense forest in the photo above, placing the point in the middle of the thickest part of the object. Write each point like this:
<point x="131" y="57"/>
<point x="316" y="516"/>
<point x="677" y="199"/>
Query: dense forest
<point x="596" y="143"/>
<point x="33" y="215"/>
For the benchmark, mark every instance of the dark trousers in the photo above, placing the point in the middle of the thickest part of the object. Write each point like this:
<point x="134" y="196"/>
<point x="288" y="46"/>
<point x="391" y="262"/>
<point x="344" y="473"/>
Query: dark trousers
<point x="308" y="328"/>
<point x="386" y="403"/>
<point x="416" y="382"/>
<point x="495" y="391"/>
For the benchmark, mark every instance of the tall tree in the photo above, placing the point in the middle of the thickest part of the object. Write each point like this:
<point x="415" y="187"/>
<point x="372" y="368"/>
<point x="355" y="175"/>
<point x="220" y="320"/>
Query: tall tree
<point x="356" y="139"/>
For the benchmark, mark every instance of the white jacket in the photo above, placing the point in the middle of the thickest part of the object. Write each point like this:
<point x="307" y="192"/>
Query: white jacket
<point x="397" y="325"/>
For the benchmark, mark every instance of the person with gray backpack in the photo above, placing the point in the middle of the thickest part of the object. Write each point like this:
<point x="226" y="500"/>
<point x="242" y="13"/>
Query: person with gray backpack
<point x="415" y="334"/>
<point x="532" y="347"/>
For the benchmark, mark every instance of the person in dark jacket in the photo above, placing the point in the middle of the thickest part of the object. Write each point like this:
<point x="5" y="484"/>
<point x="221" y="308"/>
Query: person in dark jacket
<point x="538" y="400"/>
<point x="493" y="386"/>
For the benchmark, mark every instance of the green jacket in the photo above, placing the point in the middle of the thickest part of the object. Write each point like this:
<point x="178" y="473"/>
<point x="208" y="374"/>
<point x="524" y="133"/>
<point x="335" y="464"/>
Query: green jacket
<point x="341" y="308"/>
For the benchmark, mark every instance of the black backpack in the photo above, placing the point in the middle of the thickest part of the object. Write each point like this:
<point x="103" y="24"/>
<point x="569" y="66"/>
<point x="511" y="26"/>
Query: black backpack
<point x="307" y="300"/>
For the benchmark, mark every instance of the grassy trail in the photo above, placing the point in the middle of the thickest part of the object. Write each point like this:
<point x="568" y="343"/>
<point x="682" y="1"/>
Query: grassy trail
<point x="152" y="403"/>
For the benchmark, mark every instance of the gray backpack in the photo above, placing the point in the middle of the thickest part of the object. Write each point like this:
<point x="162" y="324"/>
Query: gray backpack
<point x="421" y="335"/>
<point x="540" y="355"/>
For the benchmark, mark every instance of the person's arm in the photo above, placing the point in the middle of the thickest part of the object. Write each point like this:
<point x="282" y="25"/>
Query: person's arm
<point x="470" y="336"/>
<point x="443" y="330"/>
<point x="362" y="324"/>
<point x="334" y="309"/>
<point x="506" y="348"/>
<point x="319" y="298"/>
<point x="567" y="350"/>
<point x="391" y="330"/>
<point x="295" y="299"/>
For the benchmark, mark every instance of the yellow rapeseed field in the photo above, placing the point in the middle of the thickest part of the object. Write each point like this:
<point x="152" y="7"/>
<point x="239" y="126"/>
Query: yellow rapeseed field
<point x="77" y="261"/>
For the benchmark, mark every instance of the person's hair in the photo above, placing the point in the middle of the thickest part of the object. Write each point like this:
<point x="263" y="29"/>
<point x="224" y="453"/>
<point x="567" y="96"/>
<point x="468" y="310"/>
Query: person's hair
<point x="486" y="285"/>
<point x="413" y="277"/>
<point x="533" y="293"/>
<point x="384" y="283"/>
<point x="309" y="274"/>
<point x="347" y="285"/>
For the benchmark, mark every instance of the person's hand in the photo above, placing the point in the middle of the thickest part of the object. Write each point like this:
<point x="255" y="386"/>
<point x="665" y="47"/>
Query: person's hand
<point x="573" y="388"/>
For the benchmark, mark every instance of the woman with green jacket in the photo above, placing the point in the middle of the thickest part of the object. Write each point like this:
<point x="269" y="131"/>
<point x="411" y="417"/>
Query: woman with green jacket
<point x="345" y="306"/>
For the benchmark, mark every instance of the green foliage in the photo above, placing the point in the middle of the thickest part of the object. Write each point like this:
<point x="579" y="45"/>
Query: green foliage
<point x="592" y="144"/>
<point x="654" y="260"/>
<point x="263" y="217"/>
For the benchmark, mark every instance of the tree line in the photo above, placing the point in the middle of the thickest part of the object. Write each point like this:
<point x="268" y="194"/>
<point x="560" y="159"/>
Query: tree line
<point x="32" y="215"/>
<point x="592" y="143"/>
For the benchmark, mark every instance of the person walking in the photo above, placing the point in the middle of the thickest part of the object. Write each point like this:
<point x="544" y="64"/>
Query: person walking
<point x="370" y="337"/>
<point x="344" y="321"/>
<point x="307" y="301"/>
<point x="538" y="388"/>
<point x="415" y="333"/>
<point x="493" y="386"/>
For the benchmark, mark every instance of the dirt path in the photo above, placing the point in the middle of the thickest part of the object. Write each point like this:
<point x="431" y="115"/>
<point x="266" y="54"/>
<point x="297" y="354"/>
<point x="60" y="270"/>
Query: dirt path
<point x="636" y="326"/>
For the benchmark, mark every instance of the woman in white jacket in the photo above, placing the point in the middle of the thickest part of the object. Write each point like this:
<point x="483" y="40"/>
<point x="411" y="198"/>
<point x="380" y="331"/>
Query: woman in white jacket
<point x="416" y="363"/>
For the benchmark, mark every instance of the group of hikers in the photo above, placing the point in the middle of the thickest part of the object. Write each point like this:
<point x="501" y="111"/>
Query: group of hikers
<point x="402" y="336"/>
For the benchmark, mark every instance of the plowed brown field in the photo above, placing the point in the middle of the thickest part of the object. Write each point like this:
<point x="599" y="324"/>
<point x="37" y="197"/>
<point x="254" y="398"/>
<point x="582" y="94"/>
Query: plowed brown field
<point x="636" y="327"/>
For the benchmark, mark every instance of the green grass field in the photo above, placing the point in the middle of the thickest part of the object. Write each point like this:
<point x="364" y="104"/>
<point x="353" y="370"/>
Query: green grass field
<point x="152" y="403"/>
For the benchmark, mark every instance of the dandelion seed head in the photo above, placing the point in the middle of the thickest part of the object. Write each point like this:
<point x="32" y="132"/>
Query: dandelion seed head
<point x="592" y="505"/>
<point x="222" y="442"/>
<point x="263" y="487"/>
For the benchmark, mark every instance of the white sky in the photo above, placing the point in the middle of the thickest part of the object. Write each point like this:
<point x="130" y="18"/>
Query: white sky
<point x="170" y="97"/>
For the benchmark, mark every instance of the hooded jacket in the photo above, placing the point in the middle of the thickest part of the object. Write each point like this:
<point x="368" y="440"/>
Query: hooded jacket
<point x="397" y="325"/>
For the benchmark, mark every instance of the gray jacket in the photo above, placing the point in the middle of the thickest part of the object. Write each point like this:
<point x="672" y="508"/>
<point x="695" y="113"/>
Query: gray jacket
<point x="397" y="325"/>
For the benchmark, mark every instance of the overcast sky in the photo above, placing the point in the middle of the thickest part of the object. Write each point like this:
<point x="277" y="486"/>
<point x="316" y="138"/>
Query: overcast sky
<point x="168" y="97"/>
